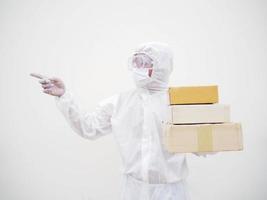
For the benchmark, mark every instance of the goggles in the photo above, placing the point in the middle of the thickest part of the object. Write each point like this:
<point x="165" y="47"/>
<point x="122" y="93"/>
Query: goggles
<point x="140" y="61"/>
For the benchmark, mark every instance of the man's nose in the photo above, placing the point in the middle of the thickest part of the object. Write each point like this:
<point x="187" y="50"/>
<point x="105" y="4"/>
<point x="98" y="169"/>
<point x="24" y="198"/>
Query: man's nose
<point x="150" y="72"/>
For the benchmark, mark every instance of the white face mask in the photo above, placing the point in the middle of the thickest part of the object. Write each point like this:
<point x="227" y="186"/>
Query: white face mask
<point x="141" y="77"/>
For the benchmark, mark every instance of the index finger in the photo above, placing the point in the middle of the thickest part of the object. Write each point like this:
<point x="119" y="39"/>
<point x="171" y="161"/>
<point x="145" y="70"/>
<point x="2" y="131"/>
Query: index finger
<point x="38" y="76"/>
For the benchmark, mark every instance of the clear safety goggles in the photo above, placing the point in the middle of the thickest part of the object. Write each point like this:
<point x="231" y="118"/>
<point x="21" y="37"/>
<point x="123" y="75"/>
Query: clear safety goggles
<point x="140" y="61"/>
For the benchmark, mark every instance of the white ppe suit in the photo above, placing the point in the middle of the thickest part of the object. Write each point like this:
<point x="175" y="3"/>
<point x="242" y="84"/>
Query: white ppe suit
<point x="136" y="119"/>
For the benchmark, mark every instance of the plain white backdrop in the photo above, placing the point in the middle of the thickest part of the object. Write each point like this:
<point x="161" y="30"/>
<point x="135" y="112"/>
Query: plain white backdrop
<point x="87" y="44"/>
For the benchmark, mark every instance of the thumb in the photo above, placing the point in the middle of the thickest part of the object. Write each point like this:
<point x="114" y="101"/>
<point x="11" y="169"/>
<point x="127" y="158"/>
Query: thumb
<point x="54" y="79"/>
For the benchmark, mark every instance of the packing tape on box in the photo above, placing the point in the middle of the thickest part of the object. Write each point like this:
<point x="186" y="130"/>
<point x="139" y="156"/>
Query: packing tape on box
<point x="205" y="139"/>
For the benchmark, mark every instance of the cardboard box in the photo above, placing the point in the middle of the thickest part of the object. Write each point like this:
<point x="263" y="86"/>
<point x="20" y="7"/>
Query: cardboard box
<point x="199" y="113"/>
<point x="193" y="95"/>
<point x="203" y="138"/>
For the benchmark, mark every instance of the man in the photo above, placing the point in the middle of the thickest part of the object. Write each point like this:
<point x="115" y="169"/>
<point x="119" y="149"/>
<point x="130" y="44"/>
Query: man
<point x="136" y="119"/>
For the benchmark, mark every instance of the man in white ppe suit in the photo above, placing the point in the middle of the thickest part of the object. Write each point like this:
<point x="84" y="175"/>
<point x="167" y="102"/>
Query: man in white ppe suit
<point x="136" y="119"/>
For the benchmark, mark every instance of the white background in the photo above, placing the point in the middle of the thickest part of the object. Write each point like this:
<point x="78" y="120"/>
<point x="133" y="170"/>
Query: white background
<point x="87" y="43"/>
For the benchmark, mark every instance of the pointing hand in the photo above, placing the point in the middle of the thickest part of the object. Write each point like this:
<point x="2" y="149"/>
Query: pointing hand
<point x="53" y="86"/>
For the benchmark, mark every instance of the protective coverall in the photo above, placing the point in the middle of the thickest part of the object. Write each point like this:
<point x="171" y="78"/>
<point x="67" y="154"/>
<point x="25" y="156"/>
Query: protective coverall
<point x="136" y="119"/>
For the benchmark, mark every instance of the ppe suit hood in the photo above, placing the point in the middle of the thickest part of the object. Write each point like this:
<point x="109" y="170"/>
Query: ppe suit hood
<point x="162" y="57"/>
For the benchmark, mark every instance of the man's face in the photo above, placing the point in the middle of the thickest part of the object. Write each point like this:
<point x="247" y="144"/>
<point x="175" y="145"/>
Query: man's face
<point x="142" y="62"/>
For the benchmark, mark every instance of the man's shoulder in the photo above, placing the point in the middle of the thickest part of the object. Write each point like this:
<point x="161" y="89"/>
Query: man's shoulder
<point x="129" y="95"/>
<point x="118" y="97"/>
<point x="128" y="92"/>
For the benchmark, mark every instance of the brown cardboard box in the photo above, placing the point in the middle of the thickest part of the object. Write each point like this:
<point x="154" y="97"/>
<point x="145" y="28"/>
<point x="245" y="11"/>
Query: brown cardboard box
<point x="193" y="95"/>
<point x="203" y="137"/>
<point x="199" y="113"/>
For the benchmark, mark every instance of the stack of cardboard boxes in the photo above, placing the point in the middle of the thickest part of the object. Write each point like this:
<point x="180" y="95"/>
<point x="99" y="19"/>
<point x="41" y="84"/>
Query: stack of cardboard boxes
<point x="198" y="123"/>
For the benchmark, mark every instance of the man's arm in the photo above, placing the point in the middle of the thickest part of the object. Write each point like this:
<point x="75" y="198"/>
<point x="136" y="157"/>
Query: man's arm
<point x="89" y="125"/>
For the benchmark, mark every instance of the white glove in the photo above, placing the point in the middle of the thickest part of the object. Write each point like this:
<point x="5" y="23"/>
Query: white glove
<point x="53" y="86"/>
<point x="204" y="154"/>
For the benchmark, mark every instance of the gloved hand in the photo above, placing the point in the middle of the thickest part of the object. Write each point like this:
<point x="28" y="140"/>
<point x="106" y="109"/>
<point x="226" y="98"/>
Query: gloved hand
<point x="53" y="86"/>
<point x="204" y="154"/>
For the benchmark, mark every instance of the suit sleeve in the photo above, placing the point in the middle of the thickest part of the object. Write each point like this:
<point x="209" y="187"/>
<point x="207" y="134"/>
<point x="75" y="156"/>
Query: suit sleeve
<point x="89" y="125"/>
